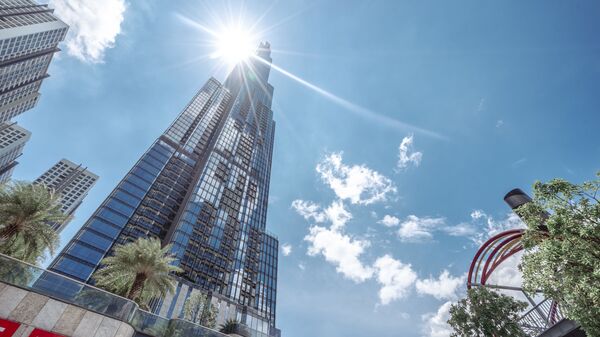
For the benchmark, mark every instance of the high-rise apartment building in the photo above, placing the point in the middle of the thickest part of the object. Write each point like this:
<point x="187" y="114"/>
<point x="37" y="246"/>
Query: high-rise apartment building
<point x="72" y="183"/>
<point x="29" y="36"/>
<point x="203" y="188"/>
<point x="12" y="142"/>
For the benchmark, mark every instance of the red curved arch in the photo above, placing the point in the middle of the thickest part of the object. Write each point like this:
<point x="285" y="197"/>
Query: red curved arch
<point x="502" y="246"/>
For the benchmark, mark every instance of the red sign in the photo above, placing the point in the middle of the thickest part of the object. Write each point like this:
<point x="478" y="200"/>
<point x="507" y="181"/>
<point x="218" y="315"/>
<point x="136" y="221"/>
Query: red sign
<point x="8" y="328"/>
<point x="43" y="333"/>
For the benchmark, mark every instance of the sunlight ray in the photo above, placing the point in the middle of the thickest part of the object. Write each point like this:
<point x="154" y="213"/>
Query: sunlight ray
<point x="357" y="109"/>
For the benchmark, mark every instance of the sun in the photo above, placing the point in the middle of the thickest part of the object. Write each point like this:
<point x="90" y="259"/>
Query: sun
<point x="234" y="45"/>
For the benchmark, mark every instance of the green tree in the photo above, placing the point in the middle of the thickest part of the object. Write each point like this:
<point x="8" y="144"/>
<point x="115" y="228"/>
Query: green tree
<point x="25" y="213"/>
<point x="486" y="313"/>
<point x="199" y="310"/>
<point x="562" y="256"/>
<point x="140" y="270"/>
<point x="231" y="326"/>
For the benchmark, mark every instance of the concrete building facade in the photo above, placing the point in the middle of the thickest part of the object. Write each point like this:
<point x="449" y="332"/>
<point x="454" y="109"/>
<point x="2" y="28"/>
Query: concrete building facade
<point x="12" y="141"/>
<point x="72" y="182"/>
<point x="29" y="36"/>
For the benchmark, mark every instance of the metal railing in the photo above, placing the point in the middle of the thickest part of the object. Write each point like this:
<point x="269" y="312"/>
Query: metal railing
<point x="540" y="317"/>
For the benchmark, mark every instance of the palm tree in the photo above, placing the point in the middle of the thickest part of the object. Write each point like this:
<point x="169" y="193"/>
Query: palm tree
<point x="26" y="210"/>
<point x="139" y="270"/>
<point x="232" y="326"/>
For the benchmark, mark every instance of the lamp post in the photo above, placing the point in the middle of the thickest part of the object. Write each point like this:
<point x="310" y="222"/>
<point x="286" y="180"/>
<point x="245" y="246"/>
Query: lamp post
<point x="517" y="198"/>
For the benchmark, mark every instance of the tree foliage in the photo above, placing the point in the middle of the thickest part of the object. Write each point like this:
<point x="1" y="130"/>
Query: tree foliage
<point x="140" y="270"/>
<point x="25" y="213"/>
<point x="562" y="243"/>
<point x="486" y="313"/>
<point x="231" y="326"/>
<point x="199" y="310"/>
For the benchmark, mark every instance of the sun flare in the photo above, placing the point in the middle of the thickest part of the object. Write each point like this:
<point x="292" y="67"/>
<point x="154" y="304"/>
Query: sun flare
<point x="234" y="45"/>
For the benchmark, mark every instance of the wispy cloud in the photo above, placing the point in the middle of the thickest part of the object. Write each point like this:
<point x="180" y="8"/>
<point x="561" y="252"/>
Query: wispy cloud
<point x="405" y="156"/>
<point x="286" y="249"/>
<point x="357" y="183"/>
<point x="518" y="162"/>
<point x="416" y="229"/>
<point x="336" y="212"/>
<point x="481" y="105"/>
<point x="94" y="26"/>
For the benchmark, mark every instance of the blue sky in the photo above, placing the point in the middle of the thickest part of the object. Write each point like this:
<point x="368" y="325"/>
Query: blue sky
<point x="506" y="91"/>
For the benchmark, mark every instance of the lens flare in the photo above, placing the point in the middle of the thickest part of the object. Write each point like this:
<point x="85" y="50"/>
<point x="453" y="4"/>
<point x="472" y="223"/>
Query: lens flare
<point x="234" y="45"/>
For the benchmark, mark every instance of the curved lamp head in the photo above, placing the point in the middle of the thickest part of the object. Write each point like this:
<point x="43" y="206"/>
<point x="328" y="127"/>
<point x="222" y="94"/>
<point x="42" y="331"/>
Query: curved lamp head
<point x="516" y="198"/>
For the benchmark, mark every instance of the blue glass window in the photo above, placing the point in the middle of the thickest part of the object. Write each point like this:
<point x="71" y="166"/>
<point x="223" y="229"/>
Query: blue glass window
<point x="120" y="207"/>
<point x="163" y="148"/>
<point x="127" y="198"/>
<point x="74" y="268"/>
<point x="139" y="182"/>
<point x="156" y="162"/>
<point x="114" y="218"/>
<point x="138" y="171"/>
<point x="85" y="253"/>
<point x="95" y="240"/>
<point x="104" y="228"/>
<point x="149" y="167"/>
<point x="131" y="188"/>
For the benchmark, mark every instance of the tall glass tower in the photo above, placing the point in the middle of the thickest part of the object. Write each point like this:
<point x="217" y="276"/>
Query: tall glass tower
<point x="202" y="187"/>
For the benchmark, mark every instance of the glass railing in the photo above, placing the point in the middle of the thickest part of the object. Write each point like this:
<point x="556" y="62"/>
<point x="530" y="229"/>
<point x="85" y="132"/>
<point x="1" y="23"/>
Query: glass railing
<point x="38" y="280"/>
<point x="29" y="277"/>
<point x="181" y="328"/>
<point x="157" y="326"/>
<point x="150" y="324"/>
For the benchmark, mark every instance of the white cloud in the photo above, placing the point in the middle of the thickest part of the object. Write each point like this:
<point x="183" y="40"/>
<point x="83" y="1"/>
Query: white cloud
<point x="492" y="227"/>
<point x="389" y="221"/>
<point x="94" y="26"/>
<point x="462" y="229"/>
<point x="336" y="213"/>
<point x="404" y="158"/>
<point x="415" y="229"/>
<point x="356" y="183"/>
<point x="395" y="277"/>
<point x="446" y="287"/>
<point x="435" y="324"/>
<point x="309" y="210"/>
<point x="477" y="214"/>
<point x="286" y="249"/>
<point x="340" y="250"/>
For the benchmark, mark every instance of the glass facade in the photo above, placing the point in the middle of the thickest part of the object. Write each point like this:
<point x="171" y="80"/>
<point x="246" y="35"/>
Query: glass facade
<point x="202" y="187"/>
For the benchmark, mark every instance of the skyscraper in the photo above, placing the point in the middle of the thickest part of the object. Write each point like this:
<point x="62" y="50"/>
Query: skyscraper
<point x="12" y="142"/>
<point x="29" y="36"/>
<point x="72" y="182"/>
<point x="202" y="187"/>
